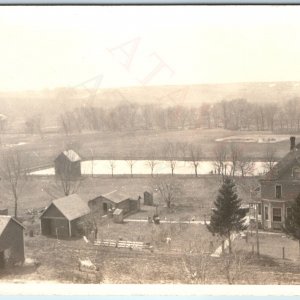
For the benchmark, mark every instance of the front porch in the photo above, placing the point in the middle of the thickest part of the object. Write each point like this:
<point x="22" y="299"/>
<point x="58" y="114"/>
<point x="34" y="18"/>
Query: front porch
<point x="274" y="213"/>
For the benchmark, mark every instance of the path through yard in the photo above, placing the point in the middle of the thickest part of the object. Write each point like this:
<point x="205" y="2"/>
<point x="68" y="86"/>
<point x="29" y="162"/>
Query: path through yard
<point x="169" y="222"/>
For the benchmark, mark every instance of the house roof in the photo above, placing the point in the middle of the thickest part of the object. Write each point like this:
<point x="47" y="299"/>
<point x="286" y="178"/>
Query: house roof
<point x="4" y="220"/>
<point x="284" y="164"/>
<point x="116" y="196"/>
<point x="71" y="155"/>
<point x="72" y="207"/>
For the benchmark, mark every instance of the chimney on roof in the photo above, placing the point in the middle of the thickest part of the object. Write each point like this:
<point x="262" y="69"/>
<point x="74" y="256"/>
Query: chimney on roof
<point x="293" y="143"/>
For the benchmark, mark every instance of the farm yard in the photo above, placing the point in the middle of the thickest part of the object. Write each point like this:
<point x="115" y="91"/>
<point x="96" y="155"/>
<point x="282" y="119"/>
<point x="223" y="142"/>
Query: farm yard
<point x="180" y="246"/>
<point x="148" y="154"/>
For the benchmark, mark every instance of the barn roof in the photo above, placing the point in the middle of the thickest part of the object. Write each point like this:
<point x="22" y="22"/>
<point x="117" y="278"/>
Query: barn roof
<point x="4" y="220"/>
<point x="72" y="207"/>
<point x="71" y="155"/>
<point x="116" y="196"/>
<point x="287" y="162"/>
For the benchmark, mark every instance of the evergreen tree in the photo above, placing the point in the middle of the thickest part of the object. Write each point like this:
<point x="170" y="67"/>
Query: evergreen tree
<point x="292" y="222"/>
<point x="228" y="216"/>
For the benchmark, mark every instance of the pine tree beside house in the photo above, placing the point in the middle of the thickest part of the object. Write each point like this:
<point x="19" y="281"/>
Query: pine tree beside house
<point x="228" y="216"/>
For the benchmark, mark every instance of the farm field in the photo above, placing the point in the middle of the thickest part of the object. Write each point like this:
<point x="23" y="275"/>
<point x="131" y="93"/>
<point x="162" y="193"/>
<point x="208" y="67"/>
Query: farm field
<point x="130" y="144"/>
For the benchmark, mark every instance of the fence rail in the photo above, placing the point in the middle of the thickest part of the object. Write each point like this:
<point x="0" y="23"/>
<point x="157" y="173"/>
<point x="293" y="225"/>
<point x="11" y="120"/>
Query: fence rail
<point x="122" y="244"/>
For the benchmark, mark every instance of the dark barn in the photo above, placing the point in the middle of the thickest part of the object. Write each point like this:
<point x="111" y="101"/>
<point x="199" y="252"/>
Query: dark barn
<point x="11" y="241"/>
<point x="113" y="200"/>
<point x="63" y="216"/>
<point x="68" y="165"/>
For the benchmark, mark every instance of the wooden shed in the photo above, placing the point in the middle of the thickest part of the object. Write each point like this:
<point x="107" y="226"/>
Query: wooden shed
<point x="63" y="216"/>
<point x="68" y="165"/>
<point x="113" y="200"/>
<point x="148" y="198"/>
<point x="118" y="215"/>
<point x="11" y="241"/>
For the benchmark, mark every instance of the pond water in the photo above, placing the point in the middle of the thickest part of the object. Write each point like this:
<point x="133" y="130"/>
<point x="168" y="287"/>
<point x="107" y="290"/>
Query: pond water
<point x="142" y="167"/>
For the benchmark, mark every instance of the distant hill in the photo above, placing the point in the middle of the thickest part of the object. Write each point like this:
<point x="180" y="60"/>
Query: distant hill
<point x="51" y="102"/>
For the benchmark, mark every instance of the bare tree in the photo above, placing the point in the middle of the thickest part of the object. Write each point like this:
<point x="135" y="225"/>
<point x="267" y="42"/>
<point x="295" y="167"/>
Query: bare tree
<point x="169" y="190"/>
<point x="65" y="120"/>
<point x="234" y="266"/>
<point x="220" y="153"/>
<point x="270" y="157"/>
<point x="112" y="164"/>
<point x="170" y="151"/>
<point x="196" y="262"/>
<point x="13" y="175"/>
<point x="66" y="180"/>
<point x="151" y="161"/>
<point x="69" y="186"/>
<point x="246" y="166"/>
<point x="131" y="163"/>
<point x="235" y="154"/>
<point x="195" y="155"/>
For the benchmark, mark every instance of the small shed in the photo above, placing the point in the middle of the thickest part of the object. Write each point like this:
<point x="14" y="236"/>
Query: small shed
<point x="113" y="200"/>
<point x="68" y="165"/>
<point x="11" y="241"/>
<point x="148" y="198"/>
<point x="63" y="216"/>
<point x="118" y="215"/>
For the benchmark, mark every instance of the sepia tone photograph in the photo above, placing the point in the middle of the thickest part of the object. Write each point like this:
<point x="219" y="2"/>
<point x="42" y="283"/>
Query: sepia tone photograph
<point x="150" y="145"/>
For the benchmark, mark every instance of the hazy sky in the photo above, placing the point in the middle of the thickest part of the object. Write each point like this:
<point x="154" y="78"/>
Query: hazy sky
<point x="48" y="47"/>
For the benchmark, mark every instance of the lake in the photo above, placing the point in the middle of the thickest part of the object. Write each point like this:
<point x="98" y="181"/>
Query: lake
<point x="142" y="167"/>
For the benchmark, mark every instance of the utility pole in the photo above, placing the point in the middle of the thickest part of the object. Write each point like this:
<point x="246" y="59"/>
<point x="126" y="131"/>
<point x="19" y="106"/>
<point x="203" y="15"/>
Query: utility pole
<point x="257" y="239"/>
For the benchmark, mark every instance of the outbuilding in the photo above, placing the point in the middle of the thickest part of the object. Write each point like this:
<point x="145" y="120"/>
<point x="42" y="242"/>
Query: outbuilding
<point x="116" y="199"/>
<point x="11" y="241"/>
<point x="148" y="198"/>
<point x="118" y="215"/>
<point x="63" y="216"/>
<point x="68" y="165"/>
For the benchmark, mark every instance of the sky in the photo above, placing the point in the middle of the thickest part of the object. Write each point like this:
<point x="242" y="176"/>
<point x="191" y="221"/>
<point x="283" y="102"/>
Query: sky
<point x="116" y="46"/>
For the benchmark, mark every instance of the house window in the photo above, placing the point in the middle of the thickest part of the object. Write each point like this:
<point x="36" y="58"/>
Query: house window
<point x="278" y="191"/>
<point x="296" y="173"/>
<point x="276" y="214"/>
<point x="266" y="213"/>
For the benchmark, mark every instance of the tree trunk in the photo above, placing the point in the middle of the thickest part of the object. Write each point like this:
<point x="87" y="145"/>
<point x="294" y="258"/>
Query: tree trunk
<point x="16" y="207"/>
<point x="229" y="243"/>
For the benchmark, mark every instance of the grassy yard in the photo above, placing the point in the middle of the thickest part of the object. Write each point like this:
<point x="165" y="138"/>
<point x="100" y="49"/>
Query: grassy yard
<point x="271" y="244"/>
<point x="59" y="261"/>
<point x="196" y="199"/>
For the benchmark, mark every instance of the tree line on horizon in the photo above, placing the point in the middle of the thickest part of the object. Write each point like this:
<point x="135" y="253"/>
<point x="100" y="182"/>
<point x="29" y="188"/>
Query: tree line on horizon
<point x="236" y="114"/>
